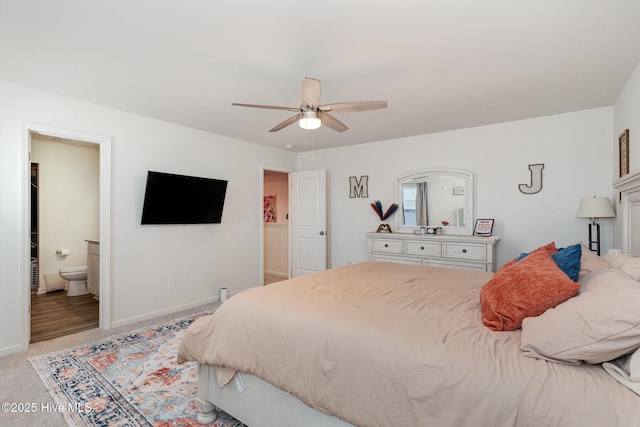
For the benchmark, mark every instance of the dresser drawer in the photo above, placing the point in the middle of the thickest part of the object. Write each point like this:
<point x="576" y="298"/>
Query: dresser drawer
<point x="396" y="259"/>
<point x="386" y="245"/>
<point x="475" y="266"/>
<point x="468" y="251"/>
<point x="423" y="248"/>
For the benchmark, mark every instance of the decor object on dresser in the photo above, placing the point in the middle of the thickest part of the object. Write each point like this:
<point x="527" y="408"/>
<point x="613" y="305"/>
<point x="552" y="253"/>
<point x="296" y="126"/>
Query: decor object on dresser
<point x="383" y="215"/>
<point x="438" y="250"/>
<point x="595" y="208"/>
<point x="623" y="152"/>
<point x="484" y="227"/>
<point x="535" y="185"/>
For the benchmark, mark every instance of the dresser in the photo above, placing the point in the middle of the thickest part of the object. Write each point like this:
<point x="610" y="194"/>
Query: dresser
<point x="448" y="250"/>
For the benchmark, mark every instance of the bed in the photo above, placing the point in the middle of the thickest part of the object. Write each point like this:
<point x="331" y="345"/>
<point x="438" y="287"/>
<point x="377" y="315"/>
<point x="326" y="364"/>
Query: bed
<point x="384" y="344"/>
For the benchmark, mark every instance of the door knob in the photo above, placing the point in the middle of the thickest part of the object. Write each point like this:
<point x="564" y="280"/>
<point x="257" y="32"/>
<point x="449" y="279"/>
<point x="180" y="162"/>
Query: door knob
<point x="322" y="233"/>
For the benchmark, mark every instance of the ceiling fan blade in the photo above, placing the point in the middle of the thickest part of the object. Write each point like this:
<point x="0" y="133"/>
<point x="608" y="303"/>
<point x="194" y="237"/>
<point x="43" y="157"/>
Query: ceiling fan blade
<point x="333" y="123"/>
<point x="310" y="92"/>
<point x="267" y="107"/>
<point x="286" y="123"/>
<point x="346" y="107"/>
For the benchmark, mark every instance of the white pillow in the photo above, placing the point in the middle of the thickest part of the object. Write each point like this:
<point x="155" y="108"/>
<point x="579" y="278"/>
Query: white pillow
<point x="625" y="262"/>
<point x="589" y="261"/>
<point x="632" y="267"/>
<point x="600" y="324"/>
<point x="616" y="260"/>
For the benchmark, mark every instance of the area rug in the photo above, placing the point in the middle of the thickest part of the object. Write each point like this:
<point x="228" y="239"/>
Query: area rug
<point x="130" y="379"/>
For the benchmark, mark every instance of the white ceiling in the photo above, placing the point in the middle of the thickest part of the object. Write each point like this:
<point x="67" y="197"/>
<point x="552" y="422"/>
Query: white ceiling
<point x="440" y="64"/>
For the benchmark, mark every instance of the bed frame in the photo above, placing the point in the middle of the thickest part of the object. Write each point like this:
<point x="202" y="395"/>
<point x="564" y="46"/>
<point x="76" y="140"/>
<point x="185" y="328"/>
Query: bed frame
<point x="255" y="402"/>
<point x="629" y="210"/>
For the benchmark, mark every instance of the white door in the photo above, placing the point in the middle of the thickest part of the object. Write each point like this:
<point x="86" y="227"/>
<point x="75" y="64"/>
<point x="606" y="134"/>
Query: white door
<point x="308" y="219"/>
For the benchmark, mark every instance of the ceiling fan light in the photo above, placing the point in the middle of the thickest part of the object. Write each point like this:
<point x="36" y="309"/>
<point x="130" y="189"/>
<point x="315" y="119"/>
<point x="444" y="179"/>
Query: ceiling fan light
<point x="309" y="120"/>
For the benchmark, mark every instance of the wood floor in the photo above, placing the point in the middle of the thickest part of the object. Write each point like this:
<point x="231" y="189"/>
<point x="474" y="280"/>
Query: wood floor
<point x="55" y="314"/>
<point x="272" y="278"/>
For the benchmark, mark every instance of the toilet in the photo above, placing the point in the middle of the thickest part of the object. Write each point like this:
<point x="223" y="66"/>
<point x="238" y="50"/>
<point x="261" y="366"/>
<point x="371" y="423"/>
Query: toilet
<point x="77" y="277"/>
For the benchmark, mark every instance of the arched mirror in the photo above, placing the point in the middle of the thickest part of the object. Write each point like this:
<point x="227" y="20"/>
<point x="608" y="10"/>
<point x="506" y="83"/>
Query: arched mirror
<point x="435" y="198"/>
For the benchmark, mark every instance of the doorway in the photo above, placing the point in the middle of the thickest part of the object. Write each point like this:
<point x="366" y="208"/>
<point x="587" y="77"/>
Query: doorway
<point x="103" y="195"/>
<point x="275" y="225"/>
<point x="65" y="215"/>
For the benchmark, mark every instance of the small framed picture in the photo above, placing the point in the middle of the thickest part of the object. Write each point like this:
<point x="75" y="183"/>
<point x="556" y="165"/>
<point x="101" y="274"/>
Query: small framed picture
<point x="458" y="191"/>
<point x="483" y="227"/>
<point x="623" y="147"/>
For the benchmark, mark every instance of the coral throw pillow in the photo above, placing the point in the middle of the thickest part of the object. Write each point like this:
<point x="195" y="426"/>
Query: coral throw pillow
<point x="524" y="289"/>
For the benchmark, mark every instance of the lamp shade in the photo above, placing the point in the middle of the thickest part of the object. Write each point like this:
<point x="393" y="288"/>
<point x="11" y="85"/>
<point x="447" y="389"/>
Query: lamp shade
<point x="309" y="120"/>
<point x="595" y="207"/>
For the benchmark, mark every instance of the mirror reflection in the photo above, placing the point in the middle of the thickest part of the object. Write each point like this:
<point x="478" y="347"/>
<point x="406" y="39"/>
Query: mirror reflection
<point x="431" y="200"/>
<point x="436" y="198"/>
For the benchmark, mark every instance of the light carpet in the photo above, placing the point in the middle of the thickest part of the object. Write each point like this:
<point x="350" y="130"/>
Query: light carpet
<point x="130" y="379"/>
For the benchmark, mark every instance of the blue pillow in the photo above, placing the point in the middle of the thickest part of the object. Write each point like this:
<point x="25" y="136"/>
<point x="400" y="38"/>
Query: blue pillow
<point x="568" y="259"/>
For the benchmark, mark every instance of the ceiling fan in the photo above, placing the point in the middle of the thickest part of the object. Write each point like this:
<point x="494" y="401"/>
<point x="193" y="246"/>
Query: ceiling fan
<point x="310" y="114"/>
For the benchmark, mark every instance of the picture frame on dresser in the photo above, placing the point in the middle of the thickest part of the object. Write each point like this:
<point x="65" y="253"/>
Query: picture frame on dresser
<point x="483" y="227"/>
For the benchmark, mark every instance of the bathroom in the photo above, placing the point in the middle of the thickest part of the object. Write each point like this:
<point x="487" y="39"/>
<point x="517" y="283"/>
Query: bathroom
<point x="65" y="177"/>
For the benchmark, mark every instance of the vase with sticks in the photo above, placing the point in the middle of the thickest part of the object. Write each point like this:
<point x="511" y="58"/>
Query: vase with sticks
<point x="383" y="215"/>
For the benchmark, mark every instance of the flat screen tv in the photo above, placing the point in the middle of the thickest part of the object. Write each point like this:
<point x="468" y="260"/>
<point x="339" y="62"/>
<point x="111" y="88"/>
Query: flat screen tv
<point x="181" y="199"/>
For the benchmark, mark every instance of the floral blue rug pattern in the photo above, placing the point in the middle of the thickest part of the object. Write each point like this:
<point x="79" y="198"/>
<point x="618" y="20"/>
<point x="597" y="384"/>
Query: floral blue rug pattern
<point x="130" y="379"/>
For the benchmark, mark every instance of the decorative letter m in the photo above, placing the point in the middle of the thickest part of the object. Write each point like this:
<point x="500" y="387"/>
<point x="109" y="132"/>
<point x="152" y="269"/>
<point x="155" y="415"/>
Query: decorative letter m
<point x="359" y="187"/>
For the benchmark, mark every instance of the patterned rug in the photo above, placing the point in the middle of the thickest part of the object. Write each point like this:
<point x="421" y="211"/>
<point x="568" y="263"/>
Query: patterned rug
<point x="130" y="379"/>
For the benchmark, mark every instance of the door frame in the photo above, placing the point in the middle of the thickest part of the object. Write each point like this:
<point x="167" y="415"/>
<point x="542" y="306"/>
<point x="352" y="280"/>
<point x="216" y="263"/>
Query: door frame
<point x="263" y="169"/>
<point x="104" y="143"/>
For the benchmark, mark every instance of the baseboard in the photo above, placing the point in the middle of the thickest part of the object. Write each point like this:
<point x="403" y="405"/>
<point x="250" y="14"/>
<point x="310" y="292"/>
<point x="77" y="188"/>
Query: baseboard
<point x="10" y="350"/>
<point x="164" y="312"/>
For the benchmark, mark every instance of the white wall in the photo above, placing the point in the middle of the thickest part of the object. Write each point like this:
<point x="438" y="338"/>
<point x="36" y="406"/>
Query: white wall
<point x="626" y="113"/>
<point x="575" y="149"/>
<point x="200" y="258"/>
<point x="69" y="203"/>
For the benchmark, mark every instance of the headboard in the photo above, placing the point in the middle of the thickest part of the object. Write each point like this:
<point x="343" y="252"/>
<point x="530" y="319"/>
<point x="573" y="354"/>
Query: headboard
<point x="629" y="188"/>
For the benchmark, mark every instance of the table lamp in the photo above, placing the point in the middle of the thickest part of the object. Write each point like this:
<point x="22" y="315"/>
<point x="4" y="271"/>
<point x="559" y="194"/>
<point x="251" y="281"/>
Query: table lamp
<point x="595" y="208"/>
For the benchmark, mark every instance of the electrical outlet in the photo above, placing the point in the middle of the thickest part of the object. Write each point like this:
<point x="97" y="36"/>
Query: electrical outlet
<point x="171" y="285"/>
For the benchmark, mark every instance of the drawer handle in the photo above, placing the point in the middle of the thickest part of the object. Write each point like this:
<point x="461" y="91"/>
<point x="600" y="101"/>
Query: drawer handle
<point x="464" y="251"/>
<point x="386" y="245"/>
<point x="422" y="248"/>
